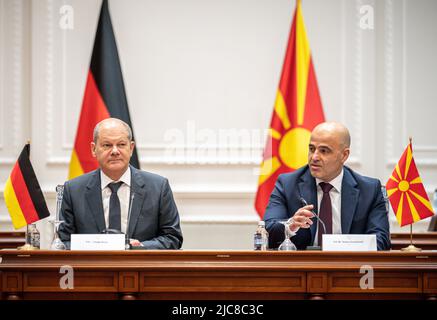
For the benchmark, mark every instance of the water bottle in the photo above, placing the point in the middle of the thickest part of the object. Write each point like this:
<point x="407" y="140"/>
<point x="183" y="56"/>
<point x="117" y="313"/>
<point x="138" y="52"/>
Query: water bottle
<point x="35" y="236"/>
<point x="261" y="237"/>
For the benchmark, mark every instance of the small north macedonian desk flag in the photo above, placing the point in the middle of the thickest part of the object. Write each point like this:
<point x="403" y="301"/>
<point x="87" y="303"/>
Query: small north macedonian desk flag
<point x="405" y="190"/>
<point x="23" y="196"/>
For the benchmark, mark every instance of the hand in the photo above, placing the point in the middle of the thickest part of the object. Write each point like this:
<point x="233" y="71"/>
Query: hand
<point x="302" y="218"/>
<point x="135" y="243"/>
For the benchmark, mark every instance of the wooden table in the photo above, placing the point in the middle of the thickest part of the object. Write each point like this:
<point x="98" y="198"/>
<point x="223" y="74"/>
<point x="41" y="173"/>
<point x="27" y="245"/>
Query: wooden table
<point x="202" y="275"/>
<point x="11" y="239"/>
<point x="425" y="240"/>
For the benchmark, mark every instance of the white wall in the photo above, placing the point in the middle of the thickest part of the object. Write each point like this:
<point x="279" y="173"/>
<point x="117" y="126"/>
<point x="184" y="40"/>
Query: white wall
<point x="199" y="71"/>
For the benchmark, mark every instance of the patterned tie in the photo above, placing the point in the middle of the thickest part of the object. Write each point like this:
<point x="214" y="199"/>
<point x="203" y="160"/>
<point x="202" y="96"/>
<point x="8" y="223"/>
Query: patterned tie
<point x="325" y="212"/>
<point x="114" y="207"/>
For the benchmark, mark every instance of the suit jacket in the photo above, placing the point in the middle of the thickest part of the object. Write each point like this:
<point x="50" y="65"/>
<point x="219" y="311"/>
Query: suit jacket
<point x="363" y="208"/>
<point x="154" y="216"/>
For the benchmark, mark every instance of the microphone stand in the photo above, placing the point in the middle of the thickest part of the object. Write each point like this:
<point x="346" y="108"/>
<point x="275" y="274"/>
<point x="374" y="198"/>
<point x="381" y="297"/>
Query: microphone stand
<point x="127" y="245"/>
<point x="319" y="247"/>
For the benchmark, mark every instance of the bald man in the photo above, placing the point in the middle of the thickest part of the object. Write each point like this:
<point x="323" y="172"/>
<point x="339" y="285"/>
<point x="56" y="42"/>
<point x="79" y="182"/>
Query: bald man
<point x="346" y="201"/>
<point x="101" y="200"/>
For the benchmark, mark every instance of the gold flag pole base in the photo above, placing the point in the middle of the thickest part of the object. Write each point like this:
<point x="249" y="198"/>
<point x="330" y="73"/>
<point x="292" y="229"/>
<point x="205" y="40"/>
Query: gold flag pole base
<point x="27" y="247"/>
<point x="411" y="247"/>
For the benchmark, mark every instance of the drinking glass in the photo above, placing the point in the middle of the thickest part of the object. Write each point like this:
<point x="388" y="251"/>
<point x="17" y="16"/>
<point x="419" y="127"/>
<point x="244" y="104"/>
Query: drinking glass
<point x="286" y="245"/>
<point x="57" y="243"/>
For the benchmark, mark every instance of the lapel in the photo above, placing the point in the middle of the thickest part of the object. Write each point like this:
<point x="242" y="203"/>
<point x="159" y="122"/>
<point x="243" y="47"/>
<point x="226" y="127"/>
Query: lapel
<point x="138" y="191"/>
<point x="93" y="196"/>
<point x="349" y="200"/>
<point x="308" y="191"/>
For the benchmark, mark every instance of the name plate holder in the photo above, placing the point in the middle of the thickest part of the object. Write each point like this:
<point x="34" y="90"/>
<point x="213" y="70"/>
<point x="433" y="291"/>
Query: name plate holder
<point x="349" y="242"/>
<point x="98" y="242"/>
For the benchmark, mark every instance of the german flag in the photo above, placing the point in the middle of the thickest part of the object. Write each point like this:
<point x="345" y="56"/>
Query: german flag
<point x="406" y="193"/>
<point x="298" y="109"/>
<point x="104" y="96"/>
<point x="23" y="196"/>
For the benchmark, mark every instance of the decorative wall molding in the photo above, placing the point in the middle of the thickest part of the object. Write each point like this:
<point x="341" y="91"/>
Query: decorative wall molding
<point x="7" y="161"/>
<point x="2" y="70"/>
<point x="50" y="56"/>
<point x="425" y="162"/>
<point x="389" y="78"/>
<point x="395" y="39"/>
<point x="208" y="192"/>
<point x="17" y="71"/>
<point x="358" y="72"/>
<point x="239" y="220"/>
<point x="183" y="161"/>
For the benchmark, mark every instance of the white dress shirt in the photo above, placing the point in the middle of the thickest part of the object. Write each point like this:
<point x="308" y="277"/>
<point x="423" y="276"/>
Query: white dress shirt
<point x="123" y="194"/>
<point x="335" y="195"/>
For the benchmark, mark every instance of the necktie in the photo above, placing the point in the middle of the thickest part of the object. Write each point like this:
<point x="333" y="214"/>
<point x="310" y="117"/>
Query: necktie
<point x="114" y="207"/>
<point x="325" y="213"/>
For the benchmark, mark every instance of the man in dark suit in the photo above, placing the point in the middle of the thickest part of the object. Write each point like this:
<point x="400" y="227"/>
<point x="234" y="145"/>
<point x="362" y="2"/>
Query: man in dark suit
<point x="100" y="200"/>
<point x="349" y="203"/>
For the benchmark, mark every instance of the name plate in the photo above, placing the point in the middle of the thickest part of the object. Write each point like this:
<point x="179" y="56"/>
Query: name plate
<point x="349" y="242"/>
<point x="98" y="242"/>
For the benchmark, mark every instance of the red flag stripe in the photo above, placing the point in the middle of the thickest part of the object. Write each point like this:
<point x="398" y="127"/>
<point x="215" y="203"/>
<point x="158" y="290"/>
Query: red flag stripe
<point x="93" y="111"/>
<point x="23" y="196"/>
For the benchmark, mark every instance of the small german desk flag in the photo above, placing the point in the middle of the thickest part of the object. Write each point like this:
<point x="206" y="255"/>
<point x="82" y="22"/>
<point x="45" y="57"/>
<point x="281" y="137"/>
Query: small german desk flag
<point x="23" y="196"/>
<point x="405" y="190"/>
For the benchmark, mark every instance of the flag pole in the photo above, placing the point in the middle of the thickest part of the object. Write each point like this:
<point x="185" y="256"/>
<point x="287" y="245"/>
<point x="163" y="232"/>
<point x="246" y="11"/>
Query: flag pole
<point x="28" y="244"/>
<point x="411" y="247"/>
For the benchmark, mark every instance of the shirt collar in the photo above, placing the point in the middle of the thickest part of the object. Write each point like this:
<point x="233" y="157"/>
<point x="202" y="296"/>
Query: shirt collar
<point x="125" y="178"/>
<point x="336" y="182"/>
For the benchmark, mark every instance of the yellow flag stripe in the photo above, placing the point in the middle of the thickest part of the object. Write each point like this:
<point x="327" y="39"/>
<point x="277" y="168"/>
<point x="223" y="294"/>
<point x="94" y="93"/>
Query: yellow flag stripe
<point x="409" y="157"/>
<point x="399" y="211"/>
<point x="391" y="191"/>
<point x="416" y="181"/>
<point x="424" y="201"/>
<point x="75" y="167"/>
<point x="412" y="208"/>
<point x="268" y="167"/>
<point x="399" y="171"/>
<point x="281" y="110"/>
<point x="302" y="63"/>
<point x="13" y="206"/>
<point x="394" y="179"/>
<point x="274" y="134"/>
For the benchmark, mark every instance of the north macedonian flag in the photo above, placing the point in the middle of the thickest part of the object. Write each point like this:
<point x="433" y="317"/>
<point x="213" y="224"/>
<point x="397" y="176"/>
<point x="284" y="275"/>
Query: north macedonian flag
<point x="104" y="97"/>
<point x="297" y="110"/>
<point x="23" y="196"/>
<point x="405" y="190"/>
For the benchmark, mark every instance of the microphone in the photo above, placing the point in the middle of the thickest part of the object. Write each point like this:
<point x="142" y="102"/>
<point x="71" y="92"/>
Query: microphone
<point x="304" y="203"/>
<point x="127" y="241"/>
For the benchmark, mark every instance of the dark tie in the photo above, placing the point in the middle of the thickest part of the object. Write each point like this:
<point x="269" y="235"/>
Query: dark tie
<point x="114" y="207"/>
<point x="325" y="212"/>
